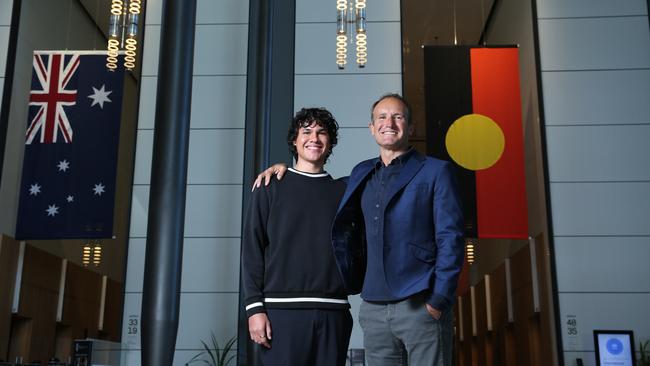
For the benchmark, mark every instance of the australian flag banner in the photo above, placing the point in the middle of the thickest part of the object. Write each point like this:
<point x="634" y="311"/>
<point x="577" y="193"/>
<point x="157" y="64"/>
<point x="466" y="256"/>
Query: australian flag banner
<point x="69" y="168"/>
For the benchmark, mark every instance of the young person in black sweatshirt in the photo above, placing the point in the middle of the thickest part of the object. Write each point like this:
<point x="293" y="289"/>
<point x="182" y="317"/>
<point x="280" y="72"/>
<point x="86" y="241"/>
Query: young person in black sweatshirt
<point x="295" y="300"/>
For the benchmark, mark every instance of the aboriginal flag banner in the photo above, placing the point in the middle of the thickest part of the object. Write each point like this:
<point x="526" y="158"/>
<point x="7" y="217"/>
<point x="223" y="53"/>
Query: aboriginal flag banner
<point x="71" y="140"/>
<point x="473" y="112"/>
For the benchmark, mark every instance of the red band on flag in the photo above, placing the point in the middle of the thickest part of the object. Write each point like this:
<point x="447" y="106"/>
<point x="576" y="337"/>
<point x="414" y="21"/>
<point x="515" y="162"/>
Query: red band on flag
<point x="501" y="189"/>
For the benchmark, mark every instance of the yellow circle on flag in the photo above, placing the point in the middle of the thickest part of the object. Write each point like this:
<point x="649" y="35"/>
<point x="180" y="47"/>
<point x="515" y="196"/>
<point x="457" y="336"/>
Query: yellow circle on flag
<point x="475" y="141"/>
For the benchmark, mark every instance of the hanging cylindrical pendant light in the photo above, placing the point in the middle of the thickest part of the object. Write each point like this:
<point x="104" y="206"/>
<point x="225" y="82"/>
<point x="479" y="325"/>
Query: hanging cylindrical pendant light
<point x="360" y="21"/>
<point x="85" y="254"/>
<point x="114" y="34"/>
<point x="123" y="32"/>
<point x="341" y="32"/>
<point x="344" y="19"/>
<point x="97" y="254"/>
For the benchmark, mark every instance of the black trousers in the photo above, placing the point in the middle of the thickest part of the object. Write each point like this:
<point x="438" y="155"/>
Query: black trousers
<point x="308" y="337"/>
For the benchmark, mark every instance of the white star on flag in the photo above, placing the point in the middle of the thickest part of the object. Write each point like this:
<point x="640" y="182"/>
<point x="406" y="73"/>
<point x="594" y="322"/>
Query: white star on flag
<point x="99" y="96"/>
<point x="34" y="189"/>
<point x="63" y="165"/>
<point x="69" y="198"/>
<point x="99" y="189"/>
<point x="52" y="210"/>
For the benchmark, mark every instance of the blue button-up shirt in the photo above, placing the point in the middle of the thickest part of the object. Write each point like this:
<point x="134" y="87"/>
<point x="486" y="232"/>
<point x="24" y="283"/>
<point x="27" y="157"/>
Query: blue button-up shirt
<point x="373" y="204"/>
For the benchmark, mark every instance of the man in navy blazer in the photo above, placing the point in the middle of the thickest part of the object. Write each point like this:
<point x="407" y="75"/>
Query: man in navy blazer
<point x="398" y="239"/>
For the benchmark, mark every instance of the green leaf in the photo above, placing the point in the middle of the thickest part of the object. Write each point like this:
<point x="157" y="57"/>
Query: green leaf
<point x="216" y="356"/>
<point x="226" y="349"/>
<point x="216" y="347"/>
<point x="195" y="358"/>
<point x="229" y="359"/>
<point x="209" y="352"/>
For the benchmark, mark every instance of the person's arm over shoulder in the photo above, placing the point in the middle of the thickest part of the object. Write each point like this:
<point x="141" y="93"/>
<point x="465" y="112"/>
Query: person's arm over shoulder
<point x="254" y="243"/>
<point x="266" y="176"/>
<point x="449" y="224"/>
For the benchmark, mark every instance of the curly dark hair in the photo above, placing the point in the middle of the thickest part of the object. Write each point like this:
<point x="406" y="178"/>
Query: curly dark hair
<point x="307" y="116"/>
<point x="407" y="107"/>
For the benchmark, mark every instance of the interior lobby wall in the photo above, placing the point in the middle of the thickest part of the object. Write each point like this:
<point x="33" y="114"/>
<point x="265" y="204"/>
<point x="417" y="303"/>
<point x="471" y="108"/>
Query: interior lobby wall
<point x="595" y="68"/>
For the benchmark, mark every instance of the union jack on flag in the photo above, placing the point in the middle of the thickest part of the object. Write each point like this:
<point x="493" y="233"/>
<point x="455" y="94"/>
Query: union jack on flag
<point x="68" y="185"/>
<point x="52" y="94"/>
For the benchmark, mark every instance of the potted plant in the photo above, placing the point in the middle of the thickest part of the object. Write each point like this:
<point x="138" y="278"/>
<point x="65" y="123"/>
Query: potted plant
<point x="213" y="355"/>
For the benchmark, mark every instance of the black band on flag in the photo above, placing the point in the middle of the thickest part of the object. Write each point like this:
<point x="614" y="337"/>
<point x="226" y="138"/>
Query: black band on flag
<point x="448" y="96"/>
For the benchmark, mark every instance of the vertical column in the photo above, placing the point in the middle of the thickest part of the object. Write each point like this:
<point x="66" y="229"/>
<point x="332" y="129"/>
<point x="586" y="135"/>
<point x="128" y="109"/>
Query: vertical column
<point x="269" y="107"/>
<point x="162" y="277"/>
<point x="8" y="38"/>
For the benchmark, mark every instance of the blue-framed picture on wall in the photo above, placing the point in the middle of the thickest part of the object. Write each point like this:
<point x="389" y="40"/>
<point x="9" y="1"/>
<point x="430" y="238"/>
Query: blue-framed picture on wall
<point x="614" y="347"/>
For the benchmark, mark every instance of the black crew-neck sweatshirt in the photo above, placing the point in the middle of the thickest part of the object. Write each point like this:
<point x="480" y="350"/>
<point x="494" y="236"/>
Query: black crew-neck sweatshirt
<point x="287" y="256"/>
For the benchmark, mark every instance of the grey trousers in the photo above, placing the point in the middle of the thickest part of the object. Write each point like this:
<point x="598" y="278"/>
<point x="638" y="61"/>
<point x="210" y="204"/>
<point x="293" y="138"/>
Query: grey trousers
<point x="403" y="333"/>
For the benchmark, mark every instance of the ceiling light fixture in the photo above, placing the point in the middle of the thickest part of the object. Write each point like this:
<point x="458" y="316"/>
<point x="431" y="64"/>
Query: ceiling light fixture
<point x="122" y="32"/>
<point x="469" y="251"/>
<point x="344" y="19"/>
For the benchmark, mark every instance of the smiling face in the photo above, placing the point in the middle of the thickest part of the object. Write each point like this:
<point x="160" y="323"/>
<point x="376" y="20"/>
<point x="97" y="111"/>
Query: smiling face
<point x="390" y="126"/>
<point x="312" y="146"/>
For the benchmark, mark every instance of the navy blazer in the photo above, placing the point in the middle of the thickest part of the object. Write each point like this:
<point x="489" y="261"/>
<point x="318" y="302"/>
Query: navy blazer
<point x="423" y="231"/>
